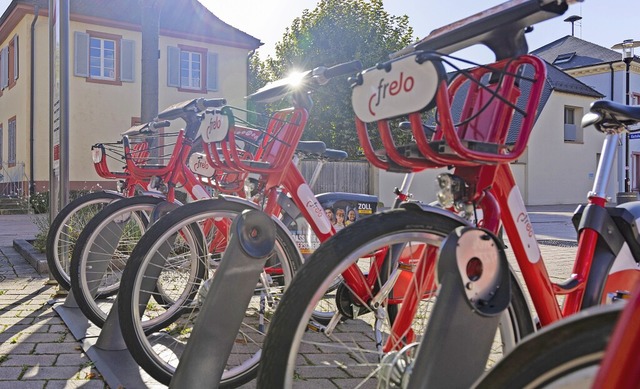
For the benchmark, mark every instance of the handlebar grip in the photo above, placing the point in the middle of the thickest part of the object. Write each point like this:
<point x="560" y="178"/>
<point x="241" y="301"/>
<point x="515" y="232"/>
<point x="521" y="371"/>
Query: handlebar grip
<point x="162" y="124"/>
<point x="214" y="103"/>
<point x="343" y="69"/>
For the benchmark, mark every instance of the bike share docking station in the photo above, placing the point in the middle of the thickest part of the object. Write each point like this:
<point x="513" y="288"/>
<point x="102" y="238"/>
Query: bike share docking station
<point x="251" y="241"/>
<point x="473" y="274"/>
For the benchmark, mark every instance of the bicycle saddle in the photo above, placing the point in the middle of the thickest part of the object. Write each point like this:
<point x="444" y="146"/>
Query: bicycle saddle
<point x="609" y="114"/>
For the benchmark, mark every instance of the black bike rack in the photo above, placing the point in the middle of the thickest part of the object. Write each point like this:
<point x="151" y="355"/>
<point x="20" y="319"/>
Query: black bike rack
<point x="475" y="289"/>
<point x="252" y="240"/>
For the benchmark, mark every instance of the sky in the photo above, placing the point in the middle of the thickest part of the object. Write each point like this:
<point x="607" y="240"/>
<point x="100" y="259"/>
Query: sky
<point x="605" y="22"/>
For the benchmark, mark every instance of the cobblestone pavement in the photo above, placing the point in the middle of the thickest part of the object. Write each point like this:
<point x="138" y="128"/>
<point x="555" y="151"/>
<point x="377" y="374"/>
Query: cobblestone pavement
<point x="38" y="351"/>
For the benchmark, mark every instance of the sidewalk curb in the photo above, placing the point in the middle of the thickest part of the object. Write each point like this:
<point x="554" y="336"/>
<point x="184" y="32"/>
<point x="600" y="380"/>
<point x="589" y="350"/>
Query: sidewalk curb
<point x="36" y="259"/>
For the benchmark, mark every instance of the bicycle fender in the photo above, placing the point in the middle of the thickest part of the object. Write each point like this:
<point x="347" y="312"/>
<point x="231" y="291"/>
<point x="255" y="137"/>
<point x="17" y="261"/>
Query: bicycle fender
<point x="420" y="207"/>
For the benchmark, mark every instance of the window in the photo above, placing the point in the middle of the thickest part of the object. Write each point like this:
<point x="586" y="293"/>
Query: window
<point x="563" y="58"/>
<point x="9" y="64"/>
<point x="12" y="59"/>
<point x="572" y="132"/>
<point x="12" y="142"/>
<point x="1" y="145"/>
<point x="104" y="58"/>
<point x="192" y="69"/>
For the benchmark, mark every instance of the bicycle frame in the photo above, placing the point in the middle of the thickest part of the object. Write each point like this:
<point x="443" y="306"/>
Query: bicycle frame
<point x="484" y="126"/>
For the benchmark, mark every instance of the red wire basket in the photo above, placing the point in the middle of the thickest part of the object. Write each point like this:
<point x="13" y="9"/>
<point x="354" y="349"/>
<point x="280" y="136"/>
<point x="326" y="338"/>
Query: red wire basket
<point x="483" y="115"/>
<point x="255" y="149"/>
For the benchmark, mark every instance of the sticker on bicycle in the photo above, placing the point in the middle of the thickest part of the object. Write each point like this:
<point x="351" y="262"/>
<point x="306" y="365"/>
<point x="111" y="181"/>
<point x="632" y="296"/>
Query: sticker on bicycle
<point x="199" y="165"/>
<point x="396" y="88"/>
<point x="217" y="128"/>
<point x="523" y="225"/>
<point x="314" y="208"/>
<point x="96" y="154"/>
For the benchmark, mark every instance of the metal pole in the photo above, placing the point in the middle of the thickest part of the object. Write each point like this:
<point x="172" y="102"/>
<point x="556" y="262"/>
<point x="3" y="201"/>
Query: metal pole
<point x="627" y="180"/>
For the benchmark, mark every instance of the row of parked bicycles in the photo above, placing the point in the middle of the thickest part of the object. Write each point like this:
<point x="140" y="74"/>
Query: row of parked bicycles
<point x="419" y="295"/>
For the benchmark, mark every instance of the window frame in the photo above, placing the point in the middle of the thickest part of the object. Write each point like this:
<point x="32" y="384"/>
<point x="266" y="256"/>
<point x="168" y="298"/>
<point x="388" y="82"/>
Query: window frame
<point x="12" y="142"/>
<point x="116" y="57"/>
<point x="12" y="59"/>
<point x="102" y="68"/>
<point x="203" y="69"/>
<point x="1" y="145"/>
<point x="576" y="112"/>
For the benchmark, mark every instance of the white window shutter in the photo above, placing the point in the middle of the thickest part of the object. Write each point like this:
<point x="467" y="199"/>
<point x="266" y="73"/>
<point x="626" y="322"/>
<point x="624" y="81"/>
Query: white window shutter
<point x="173" y="66"/>
<point x="127" y="60"/>
<point x="81" y="54"/>
<point x="212" y="71"/>
<point x="4" y="67"/>
<point x="15" y="57"/>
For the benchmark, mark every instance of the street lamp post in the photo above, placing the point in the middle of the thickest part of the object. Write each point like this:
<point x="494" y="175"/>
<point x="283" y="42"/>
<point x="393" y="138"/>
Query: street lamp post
<point x="627" y="47"/>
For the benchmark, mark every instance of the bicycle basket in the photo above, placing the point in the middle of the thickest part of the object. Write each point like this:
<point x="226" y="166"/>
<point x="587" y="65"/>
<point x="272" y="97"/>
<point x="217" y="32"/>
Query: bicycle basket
<point x="483" y="115"/>
<point x="257" y="149"/>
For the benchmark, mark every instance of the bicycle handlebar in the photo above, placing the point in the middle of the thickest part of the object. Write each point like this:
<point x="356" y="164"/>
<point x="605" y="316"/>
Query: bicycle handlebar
<point x="500" y="28"/>
<point x="190" y="107"/>
<point x="322" y="75"/>
<point x="302" y="82"/>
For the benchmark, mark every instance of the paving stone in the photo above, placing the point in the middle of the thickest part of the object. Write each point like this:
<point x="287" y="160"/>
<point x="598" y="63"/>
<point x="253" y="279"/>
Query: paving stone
<point x="76" y="384"/>
<point x="10" y="372"/>
<point x="51" y="372"/>
<point x="57" y="348"/>
<point x="22" y="384"/>
<point x="29" y="360"/>
<point x="74" y="359"/>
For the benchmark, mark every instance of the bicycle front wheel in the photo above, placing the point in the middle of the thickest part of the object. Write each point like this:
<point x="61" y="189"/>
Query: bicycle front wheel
<point x="194" y="235"/>
<point x="65" y="229"/>
<point x="566" y="354"/>
<point x="102" y="251"/>
<point x="299" y="352"/>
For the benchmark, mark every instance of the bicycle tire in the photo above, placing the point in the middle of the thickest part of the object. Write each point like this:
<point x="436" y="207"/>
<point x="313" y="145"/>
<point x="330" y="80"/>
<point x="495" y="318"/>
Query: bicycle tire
<point x="357" y="365"/>
<point x="175" y="331"/>
<point x="60" y="244"/>
<point x="128" y="218"/>
<point x="564" y="354"/>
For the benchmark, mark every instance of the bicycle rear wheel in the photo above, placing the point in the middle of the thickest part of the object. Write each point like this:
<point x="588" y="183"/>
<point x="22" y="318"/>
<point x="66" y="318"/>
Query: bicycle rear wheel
<point x="102" y="251"/>
<point x="65" y="229"/>
<point x="170" y="248"/>
<point x="564" y="355"/>
<point x="302" y="353"/>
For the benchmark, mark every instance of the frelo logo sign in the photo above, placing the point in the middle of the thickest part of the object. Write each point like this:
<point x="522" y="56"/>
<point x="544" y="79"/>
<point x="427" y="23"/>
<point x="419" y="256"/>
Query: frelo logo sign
<point x="395" y="89"/>
<point x="390" y="89"/>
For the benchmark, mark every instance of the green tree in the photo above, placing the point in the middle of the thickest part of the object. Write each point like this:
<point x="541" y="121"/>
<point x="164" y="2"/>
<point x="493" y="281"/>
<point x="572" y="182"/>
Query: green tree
<point x="336" y="31"/>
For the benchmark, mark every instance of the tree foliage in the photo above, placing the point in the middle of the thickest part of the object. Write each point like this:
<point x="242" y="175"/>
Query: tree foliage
<point x="335" y="31"/>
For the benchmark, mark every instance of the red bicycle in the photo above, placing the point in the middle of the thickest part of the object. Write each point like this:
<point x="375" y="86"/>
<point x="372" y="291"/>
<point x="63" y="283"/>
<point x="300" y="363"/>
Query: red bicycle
<point x="136" y="177"/>
<point x="571" y="352"/>
<point x="484" y="117"/>
<point x="183" y="240"/>
<point x="104" y="244"/>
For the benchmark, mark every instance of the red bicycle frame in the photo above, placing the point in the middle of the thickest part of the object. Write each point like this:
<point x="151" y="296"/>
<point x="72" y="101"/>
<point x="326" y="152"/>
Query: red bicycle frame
<point x="478" y="149"/>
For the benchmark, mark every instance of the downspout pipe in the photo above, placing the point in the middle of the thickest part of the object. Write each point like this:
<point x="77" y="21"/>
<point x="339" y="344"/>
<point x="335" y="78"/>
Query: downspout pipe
<point x="612" y="81"/>
<point x="32" y="104"/>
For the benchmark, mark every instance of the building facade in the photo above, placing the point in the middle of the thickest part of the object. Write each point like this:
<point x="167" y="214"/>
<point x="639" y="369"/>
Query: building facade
<point x="198" y="55"/>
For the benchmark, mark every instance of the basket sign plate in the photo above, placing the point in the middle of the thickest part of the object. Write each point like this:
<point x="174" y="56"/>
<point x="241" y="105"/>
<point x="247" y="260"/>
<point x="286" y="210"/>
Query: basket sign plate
<point x="217" y="128"/>
<point x="96" y="154"/>
<point x="407" y="87"/>
<point x="199" y="165"/>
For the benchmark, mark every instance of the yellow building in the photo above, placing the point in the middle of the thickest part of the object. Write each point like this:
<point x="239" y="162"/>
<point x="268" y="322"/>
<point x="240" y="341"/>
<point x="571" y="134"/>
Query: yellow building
<point x="199" y="55"/>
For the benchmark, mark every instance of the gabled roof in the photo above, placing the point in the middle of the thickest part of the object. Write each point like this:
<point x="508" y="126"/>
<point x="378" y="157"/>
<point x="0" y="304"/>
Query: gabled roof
<point x="562" y="82"/>
<point x="571" y="52"/>
<point x="187" y="18"/>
